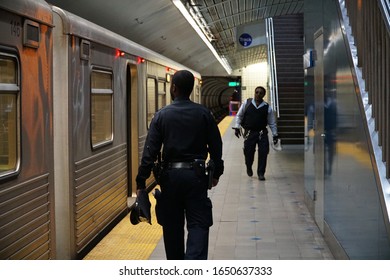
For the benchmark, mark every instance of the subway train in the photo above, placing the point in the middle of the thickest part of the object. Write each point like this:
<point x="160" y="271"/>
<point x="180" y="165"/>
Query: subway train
<point x="75" y="103"/>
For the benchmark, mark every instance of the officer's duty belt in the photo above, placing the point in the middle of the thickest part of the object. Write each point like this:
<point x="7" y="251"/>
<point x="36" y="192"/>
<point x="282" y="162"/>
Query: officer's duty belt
<point x="258" y="130"/>
<point x="183" y="165"/>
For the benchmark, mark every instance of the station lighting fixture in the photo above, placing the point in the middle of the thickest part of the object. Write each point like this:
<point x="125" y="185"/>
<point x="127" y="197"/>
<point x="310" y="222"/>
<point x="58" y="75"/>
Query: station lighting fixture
<point x="234" y="84"/>
<point x="198" y="29"/>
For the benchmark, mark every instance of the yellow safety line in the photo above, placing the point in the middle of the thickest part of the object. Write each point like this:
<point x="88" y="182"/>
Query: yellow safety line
<point x="224" y="124"/>
<point x="135" y="242"/>
<point x="127" y="241"/>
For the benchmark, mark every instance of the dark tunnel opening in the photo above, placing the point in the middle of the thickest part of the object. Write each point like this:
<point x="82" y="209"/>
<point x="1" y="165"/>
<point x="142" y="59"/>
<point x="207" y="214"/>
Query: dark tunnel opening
<point x="217" y="92"/>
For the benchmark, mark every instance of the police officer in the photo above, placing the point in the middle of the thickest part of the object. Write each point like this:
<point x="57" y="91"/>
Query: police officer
<point x="188" y="132"/>
<point x="254" y="115"/>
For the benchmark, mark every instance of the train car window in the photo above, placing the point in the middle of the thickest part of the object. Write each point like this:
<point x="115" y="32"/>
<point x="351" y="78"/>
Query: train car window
<point x="162" y="95"/>
<point x="151" y="99"/>
<point x="101" y="108"/>
<point x="9" y="112"/>
<point x="197" y="94"/>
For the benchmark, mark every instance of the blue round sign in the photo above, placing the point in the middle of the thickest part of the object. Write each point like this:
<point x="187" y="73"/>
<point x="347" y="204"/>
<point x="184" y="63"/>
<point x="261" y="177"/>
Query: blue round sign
<point x="245" y="40"/>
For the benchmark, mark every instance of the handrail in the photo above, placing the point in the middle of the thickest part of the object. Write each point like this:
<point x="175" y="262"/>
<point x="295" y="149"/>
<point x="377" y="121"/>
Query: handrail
<point x="368" y="35"/>
<point x="384" y="6"/>
<point x="274" y="94"/>
<point x="369" y="22"/>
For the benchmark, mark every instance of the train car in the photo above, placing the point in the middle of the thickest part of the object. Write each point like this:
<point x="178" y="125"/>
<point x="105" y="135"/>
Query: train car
<point x="106" y="90"/>
<point x="26" y="131"/>
<point x="76" y="102"/>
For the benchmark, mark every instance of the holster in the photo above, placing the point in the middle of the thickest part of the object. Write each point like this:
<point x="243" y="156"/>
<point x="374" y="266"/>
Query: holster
<point x="157" y="169"/>
<point x="199" y="167"/>
<point x="210" y="173"/>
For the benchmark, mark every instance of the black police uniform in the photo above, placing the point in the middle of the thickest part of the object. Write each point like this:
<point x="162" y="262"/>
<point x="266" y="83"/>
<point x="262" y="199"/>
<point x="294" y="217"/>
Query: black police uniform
<point x="188" y="132"/>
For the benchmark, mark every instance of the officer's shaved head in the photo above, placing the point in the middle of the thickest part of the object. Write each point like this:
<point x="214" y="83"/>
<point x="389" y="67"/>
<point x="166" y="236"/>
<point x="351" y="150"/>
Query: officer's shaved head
<point x="184" y="80"/>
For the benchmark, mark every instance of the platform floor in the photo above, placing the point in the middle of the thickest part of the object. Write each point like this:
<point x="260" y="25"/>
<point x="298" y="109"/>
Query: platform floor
<point x="265" y="220"/>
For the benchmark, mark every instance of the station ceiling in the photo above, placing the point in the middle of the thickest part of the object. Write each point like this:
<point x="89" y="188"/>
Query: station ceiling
<point x="161" y="27"/>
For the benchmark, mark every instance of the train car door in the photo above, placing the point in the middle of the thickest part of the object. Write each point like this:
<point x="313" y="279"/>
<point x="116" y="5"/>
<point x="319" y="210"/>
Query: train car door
<point x="319" y="136"/>
<point x="132" y="130"/>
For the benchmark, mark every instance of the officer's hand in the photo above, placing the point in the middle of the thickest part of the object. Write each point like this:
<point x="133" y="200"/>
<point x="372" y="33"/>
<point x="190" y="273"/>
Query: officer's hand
<point x="140" y="182"/>
<point x="237" y="132"/>
<point x="275" y="139"/>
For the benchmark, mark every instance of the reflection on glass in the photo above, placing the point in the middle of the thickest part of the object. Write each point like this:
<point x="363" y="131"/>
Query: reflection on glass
<point x="151" y="99"/>
<point x="8" y="115"/>
<point x="8" y="132"/>
<point x="101" y="108"/>
<point x="161" y="99"/>
<point x="7" y="71"/>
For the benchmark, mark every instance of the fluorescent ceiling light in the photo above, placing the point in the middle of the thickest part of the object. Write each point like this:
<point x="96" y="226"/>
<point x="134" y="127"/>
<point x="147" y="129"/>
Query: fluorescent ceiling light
<point x="189" y="18"/>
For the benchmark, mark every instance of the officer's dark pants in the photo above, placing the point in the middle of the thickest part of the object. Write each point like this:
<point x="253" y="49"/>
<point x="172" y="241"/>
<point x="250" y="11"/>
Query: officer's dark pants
<point x="184" y="198"/>
<point x="250" y="143"/>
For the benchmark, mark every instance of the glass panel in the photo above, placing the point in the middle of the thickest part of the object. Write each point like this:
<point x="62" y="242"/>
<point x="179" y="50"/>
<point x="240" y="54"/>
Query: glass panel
<point x="8" y="132"/>
<point x="101" y="108"/>
<point x="9" y="144"/>
<point x="161" y="99"/>
<point x="197" y="95"/>
<point x="7" y="71"/>
<point x="151" y="109"/>
<point x="101" y="118"/>
<point x="101" y="80"/>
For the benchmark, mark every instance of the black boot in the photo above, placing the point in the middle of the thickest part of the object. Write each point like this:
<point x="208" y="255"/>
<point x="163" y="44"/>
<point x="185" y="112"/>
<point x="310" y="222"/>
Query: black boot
<point x="249" y="171"/>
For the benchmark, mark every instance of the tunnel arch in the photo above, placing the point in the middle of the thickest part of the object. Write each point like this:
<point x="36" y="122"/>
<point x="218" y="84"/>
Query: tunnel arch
<point x="216" y="94"/>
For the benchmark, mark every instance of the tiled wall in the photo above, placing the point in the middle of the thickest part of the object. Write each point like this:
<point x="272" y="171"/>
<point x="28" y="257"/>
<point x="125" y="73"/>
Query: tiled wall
<point x="253" y="76"/>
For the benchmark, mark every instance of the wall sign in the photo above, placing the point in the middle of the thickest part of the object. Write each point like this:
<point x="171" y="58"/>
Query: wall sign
<point x="245" y="40"/>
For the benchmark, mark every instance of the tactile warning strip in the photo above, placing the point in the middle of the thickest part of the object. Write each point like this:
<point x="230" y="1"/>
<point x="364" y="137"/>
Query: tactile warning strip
<point x="127" y="241"/>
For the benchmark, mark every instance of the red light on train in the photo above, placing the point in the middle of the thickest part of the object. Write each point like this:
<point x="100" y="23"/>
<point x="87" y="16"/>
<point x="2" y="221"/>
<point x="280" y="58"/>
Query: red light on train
<point x="119" y="53"/>
<point x="140" y="60"/>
